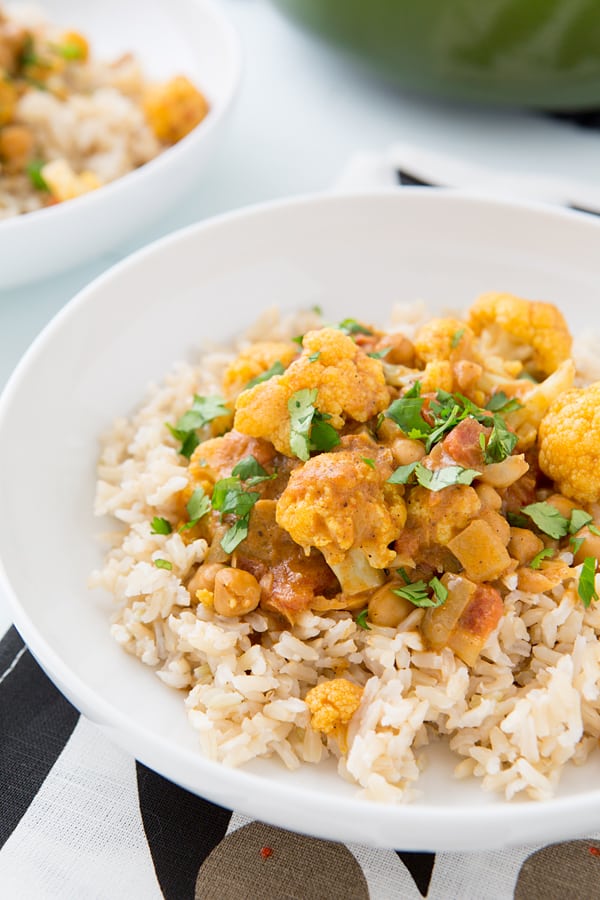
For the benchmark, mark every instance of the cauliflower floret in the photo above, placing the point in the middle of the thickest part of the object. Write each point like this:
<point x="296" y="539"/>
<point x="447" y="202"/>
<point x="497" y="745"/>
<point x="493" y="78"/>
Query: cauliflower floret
<point x="350" y="384"/>
<point x="443" y="339"/>
<point x="253" y="361"/>
<point x="332" y="704"/>
<point x="174" y="108"/>
<point x="532" y="332"/>
<point x="341" y="503"/>
<point x="569" y="438"/>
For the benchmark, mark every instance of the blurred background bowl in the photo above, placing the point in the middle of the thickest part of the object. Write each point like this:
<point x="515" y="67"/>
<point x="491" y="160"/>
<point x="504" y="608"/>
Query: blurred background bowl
<point x="190" y="37"/>
<point x="536" y="53"/>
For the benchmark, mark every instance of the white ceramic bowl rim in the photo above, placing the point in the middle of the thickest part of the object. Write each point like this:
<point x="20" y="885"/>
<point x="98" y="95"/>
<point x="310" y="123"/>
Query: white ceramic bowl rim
<point x="378" y="819"/>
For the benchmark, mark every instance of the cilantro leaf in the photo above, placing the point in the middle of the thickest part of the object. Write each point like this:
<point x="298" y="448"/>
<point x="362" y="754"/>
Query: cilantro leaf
<point x="314" y="356"/>
<point x="34" y="171"/>
<point x="402" y="474"/>
<point x="203" y="411"/>
<point x="361" y="620"/>
<point x="456" y="338"/>
<point x="439" y="590"/>
<point x="235" y="535"/>
<point x="404" y="575"/>
<point x="593" y="530"/>
<point x="368" y="461"/>
<point x="276" y="369"/>
<point x="441" y="478"/>
<point x="414" y="391"/>
<point x="547" y="518"/>
<point x="501" y="442"/>
<point x="69" y="51"/>
<point x="417" y="593"/>
<point x="579" y="518"/>
<point x="351" y="326"/>
<point x="163" y="564"/>
<point x="189" y="440"/>
<point x="250" y="471"/>
<point x="536" y="562"/>
<point x="576" y="543"/>
<point x="379" y="354"/>
<point x="586" y="587"/>
<point x="500" y="401"/>
<point x="406" y="413"/>
<point x="161" y="526"/>
<point x="323" y="436"/>
<point x="301" y="409"/>
<point x="517" y="520"/>
<point x="197" y="507"/>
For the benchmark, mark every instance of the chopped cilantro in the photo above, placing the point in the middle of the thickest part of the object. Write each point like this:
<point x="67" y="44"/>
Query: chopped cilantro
<point x="517" y="520"/>
<point x="441" y="478"/>
<point x="500" y="402"/>
<point x="69" y="51"/>
<point x="406" y="413"/>
<point x="298" y="339"/>
<point x="197" y="507"/>
<point x="576" y="543"/>
<point x="235" y="535"/>
<point x="414" y="391"/>
<point x="379" y="354"/>
<point x="323" y="436"/>
<point x="439" y="590"/>
<point x="161" y="526"/>
<point x="587" y="581"/>
<point x="368" y="461"/>
<point x="525" y="376"/>
<point x="547" y="518"/>
<point x="501" y="442"/>
<point x="28" y="55"/>
<point x="230" y="498"/>
<point x="314" y="356"/>
<point x="418" y="593"/>
<point x="301" y="408"/>
<point x="456" y="338"/>
<point x="251" y="472"/>
<point x="536" y="562"/>
<point x="34" y="171"/>
<point x="203" y="411"/>
<point x="318" y="310"/>
<point x="276" y="369"/>
<point x="593" y="530"/>
<point x="361" y="620"/>
<point x="351" y="326"/>
<point x="163" y="564"/>
<point x="579" y="518"/>
<point x="402" y="473"/>
<point x="404" y="575"/>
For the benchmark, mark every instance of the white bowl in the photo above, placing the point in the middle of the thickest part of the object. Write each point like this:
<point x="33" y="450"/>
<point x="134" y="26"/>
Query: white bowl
<point x="355" y="256"/>
<point x="169" y="37"/>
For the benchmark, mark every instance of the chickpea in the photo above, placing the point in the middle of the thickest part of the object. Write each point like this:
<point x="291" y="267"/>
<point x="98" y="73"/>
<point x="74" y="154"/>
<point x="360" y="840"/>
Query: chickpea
<point x="8" y="100"/>
<point x="405" y="451"/>
<point x="16" y="147"/>
<point x="590" y="546"/>
<point x="388" y="609"/>
<point x="237" y="592"/>
<point x="524" y="545"/>
<point x="203" y="578"/>
<point x="562" y="504"/>
<point x="489" y="497"/>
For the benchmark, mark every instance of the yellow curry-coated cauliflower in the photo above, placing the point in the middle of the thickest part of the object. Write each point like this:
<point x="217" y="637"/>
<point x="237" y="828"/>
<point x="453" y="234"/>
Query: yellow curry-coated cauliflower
<point x="332" y="704"/>
<point x="533" y="332"/>
<point x="569" y="438"/>
<point x="253" y="361"/>
<point x="350" y="384"/>
<point x="340" y="503"/>
<point x="441" y="339"/>
<point x="174" y="108"/>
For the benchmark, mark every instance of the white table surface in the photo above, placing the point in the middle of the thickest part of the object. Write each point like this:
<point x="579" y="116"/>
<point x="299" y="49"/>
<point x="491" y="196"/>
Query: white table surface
<point x="302" y="113"/>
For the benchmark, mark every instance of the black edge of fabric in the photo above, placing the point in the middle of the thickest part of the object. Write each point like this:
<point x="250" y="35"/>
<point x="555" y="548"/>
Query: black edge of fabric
<point x="420" y="866"/>
<point x="181" y="830"/>
<point x="36" y="722"/>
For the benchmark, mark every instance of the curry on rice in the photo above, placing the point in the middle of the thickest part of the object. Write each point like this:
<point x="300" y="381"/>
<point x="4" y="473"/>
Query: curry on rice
<point x="355" y="541"/>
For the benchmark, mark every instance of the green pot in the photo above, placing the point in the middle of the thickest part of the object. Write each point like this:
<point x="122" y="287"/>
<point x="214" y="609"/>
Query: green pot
<point x="539" y="53"/>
